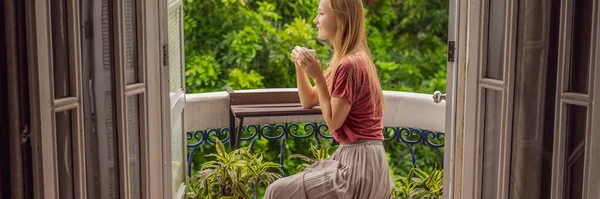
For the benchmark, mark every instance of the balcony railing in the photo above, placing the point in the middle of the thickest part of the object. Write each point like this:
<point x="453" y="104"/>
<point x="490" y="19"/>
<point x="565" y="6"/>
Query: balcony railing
<point x="410" y="119"/>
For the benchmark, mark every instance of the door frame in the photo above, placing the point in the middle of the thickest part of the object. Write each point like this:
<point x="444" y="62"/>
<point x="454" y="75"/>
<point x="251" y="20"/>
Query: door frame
<point x="13" y="97"/>
<point x="169" y="116"/>
<point x="468" y="121"/>
<point x="594" y="134"/>
<point x="149" y="102"/>
<point x="455" y="104"/>
<point x="456" y="21"/>
<point x="589" y="100"/>
<point x="150" y="57"/>
<point x="42" y="104"/>
<point x="471" y="100"/>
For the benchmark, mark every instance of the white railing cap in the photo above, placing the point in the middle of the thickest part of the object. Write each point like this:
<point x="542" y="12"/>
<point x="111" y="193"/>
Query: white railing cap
<point x="211" y="110"/>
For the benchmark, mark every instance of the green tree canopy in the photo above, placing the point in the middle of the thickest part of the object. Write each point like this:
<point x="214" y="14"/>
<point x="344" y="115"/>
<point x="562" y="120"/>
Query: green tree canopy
<point x="246" y="44"/>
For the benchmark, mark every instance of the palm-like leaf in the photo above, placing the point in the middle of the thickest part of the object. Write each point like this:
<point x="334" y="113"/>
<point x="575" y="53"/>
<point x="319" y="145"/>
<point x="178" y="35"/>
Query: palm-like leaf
<point x="317" y="154"/>
<point x="261" y="171"/>
<point x="419" y="184"/>
<point x="231" y="174"/>
<point x="301" y="157"/>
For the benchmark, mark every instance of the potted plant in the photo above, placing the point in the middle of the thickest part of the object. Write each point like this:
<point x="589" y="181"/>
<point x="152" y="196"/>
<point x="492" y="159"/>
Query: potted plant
<point x="236" y="174"/>
<point x="317" y="154"/>
<point x="419" y="184"/>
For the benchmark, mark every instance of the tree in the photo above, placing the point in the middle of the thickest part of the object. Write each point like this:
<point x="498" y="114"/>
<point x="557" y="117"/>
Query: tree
<point x="246" y="44"/>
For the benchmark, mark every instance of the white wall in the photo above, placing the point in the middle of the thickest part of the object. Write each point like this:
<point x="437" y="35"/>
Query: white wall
<point x="211" y="110"/>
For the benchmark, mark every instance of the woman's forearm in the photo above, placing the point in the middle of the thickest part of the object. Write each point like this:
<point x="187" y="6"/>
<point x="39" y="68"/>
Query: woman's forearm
<point x="324" y="99"/>
<point x="305" y="90"/>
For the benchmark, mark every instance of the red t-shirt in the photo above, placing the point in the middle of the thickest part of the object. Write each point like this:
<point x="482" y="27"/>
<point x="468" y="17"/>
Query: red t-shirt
<point x="364" y="122"/>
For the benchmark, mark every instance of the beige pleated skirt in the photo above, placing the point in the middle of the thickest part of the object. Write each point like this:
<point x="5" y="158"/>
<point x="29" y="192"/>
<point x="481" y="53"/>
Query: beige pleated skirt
<point x="357" y="170"/>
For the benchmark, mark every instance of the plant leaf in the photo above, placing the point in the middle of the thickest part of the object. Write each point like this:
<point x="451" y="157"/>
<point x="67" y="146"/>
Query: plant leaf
<point x="302" y="157"/>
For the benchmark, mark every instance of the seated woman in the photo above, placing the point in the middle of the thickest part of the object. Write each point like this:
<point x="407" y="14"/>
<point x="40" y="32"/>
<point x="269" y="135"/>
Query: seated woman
<point x="351" y="100"/>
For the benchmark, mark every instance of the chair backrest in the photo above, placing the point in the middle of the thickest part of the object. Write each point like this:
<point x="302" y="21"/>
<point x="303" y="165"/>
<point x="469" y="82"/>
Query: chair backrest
<point x="268" y="97"/>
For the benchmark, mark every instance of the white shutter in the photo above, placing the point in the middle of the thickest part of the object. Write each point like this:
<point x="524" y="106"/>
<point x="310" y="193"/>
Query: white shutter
<point x="173" y="92"/>
<point x="575" y="160"/>
<point x="56" y="95"/>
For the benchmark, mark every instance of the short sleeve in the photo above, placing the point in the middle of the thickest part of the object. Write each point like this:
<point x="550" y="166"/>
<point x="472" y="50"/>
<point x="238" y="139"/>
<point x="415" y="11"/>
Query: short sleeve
<point x="342" y="87"/>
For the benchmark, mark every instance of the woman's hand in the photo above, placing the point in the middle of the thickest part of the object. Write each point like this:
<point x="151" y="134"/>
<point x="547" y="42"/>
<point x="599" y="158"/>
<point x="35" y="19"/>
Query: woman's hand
<point x="309" y="64"/>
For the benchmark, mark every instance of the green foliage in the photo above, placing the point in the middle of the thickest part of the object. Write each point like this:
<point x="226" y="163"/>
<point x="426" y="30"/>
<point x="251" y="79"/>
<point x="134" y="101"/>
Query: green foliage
<point x="317" y="154"/>
<point x="231" y="174"/>
<point x="419" y="184"/>
<point x="246" y="44"/>
<point x="398" y="154"/>
<point x="206" y="70"/>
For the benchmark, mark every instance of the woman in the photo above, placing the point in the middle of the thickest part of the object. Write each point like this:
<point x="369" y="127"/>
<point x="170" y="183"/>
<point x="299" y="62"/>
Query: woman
<point x="351" y="100"/>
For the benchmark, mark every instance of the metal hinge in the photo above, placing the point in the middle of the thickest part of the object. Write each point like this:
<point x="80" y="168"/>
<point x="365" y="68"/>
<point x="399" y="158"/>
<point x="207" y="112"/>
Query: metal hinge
<point x="25" y="134"/>
<point x="166" y="55"/>
<point x="451" y="49"/>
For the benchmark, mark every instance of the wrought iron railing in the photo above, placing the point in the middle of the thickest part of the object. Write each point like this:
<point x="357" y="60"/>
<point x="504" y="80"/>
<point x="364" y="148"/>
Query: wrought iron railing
<point x="402" y="135"/>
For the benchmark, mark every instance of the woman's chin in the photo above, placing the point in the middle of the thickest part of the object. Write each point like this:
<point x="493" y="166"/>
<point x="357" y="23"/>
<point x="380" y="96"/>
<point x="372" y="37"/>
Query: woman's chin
<point x="321" y="36"/>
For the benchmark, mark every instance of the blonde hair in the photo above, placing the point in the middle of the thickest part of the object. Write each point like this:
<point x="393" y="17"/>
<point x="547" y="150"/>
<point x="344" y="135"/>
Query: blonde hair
<point x="350" y="43"/>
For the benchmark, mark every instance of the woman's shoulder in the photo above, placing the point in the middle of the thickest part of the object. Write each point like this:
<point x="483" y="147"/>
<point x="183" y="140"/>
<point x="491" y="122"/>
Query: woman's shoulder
<point x="354" y="62"/>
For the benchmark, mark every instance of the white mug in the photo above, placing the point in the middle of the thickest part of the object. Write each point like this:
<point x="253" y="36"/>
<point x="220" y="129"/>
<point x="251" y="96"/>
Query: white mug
<point x="312" y="52"/>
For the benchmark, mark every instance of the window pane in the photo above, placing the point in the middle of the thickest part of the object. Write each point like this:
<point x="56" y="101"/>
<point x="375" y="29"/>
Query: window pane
<point x="581" y="35"/>
<point x="576" y="120"/>
<point x="64" y="152"/>
<point x="495" y="45"/>
<point x="134" y="157"/>
<point x="531" y="159"/>
<point x="101" y="157"/>
<point x="102" y="152"/>
<point x="60" y="49"/>
<point x="130" y="32"/>
<point x="177" y="155"/>
<point x="491" y="144"/>
<point x="174" y="50"/>
<point x="550" y="100"/>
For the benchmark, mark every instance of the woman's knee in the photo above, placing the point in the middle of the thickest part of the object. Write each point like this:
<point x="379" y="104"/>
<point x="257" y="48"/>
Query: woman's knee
<point x="274" y="188"/>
